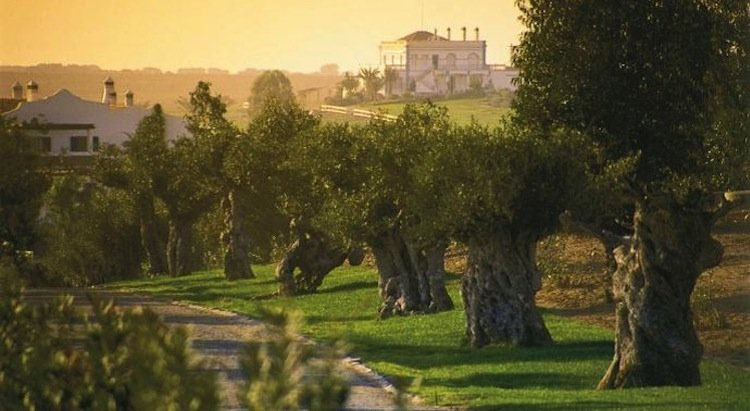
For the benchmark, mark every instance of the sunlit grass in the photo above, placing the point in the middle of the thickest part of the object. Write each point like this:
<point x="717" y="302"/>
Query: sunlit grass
<point x="460" y="110"/>
<point x="430" y="347"/>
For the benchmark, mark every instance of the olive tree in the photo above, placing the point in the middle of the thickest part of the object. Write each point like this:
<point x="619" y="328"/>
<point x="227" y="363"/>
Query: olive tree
<point x="369" y="184"/>
<point x="140" y="168"/>
<point x="215" y="138"/>
<point x="318" y="246"/>
<point x="500" y="192"/>
<point x="645" y="80"/>
<point x="269" y="162"/>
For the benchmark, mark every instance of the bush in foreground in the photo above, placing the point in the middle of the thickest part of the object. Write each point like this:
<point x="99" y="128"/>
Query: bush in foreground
<point x="285" y="373"/>
<point x="118" y="360"/>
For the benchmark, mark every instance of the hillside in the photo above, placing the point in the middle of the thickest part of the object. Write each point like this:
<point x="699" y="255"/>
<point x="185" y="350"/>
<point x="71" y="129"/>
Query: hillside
<point x="151" y="86"/>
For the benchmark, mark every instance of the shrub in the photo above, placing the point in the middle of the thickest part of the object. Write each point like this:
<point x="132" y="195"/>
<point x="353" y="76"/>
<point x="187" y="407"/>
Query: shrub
<point x="118" y="360"/>
<point x="90" y="233"/>
<point x="285" y="373"/>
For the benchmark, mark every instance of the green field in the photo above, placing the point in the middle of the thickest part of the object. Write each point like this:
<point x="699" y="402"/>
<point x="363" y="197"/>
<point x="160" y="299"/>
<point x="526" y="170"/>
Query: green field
<point x="429" y="347"/>
<point x="460" y="110"/>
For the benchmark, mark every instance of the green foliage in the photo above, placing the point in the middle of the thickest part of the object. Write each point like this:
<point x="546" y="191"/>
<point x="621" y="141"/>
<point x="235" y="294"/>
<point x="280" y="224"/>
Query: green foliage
<point x="124" y="360"/>
<point x="728" y="158"/>
<point x="90" y="233"/>
<point x="266" y="168"/>
<point x="642" y="88"/>
<point x="285" y="373"/>
<point x="662" y="81"/>
<point x="507" y="177"/>
<point x="23" y="183"/>
<point x="373" y="81"/>
<point x="207" y="239"/>
<point x="347" y="92"/>
<point x="272" y="84"/>
<point x="367" y="175"/>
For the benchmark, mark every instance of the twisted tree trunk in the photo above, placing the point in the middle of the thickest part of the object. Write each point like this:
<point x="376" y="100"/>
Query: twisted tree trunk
<point x="235" y="239"/>
<point x="315" y="256"/>
<point x="151" y="238"/>
<point x="498" y="290"/>
<point x="180" y="253"/>
<point x="410" y="279"/>
<point x="656" y="342"/>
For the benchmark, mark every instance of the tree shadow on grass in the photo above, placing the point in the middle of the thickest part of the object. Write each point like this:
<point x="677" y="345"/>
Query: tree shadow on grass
<point x="601" y="405"/>
<point x="356" y="285"/>
<point x="517" y="380"/>
<point x="420" y="356"/>
<point x="318" y="319"/>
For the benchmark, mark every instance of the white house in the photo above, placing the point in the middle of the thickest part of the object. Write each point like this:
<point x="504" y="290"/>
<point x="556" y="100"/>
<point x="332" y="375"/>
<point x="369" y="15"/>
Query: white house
<point x="66" y="123"/>
<point x="425" y="63"/>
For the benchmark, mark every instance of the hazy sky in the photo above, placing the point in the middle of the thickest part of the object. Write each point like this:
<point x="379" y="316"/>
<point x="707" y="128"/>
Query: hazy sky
<point x="297" y="35"/>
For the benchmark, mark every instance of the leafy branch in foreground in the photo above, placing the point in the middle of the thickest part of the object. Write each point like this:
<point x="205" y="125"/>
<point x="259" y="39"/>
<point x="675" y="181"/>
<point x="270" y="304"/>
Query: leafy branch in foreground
<point x="120" y="360"/>
<point x="285" y="373"/>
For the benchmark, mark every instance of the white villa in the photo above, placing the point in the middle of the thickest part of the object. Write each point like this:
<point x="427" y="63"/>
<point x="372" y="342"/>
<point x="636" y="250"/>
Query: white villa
<point x="67" y="124"/>
<point x="427" y="64"/>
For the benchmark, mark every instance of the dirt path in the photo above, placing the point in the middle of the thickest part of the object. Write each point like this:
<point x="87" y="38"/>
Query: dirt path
<point x="219" y="336"/>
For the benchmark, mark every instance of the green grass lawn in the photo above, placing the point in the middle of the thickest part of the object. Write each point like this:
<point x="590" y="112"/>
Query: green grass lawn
<point x="460" y="110"/>
<point x="429" y="346"/>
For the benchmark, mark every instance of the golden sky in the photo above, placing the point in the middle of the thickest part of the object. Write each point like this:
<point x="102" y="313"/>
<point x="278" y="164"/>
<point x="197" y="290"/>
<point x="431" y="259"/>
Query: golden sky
<point x="297" y="35"/>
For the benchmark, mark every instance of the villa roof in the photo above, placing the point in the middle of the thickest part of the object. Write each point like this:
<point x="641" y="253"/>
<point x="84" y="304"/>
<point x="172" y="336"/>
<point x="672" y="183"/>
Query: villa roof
<point x="422" y="35"/>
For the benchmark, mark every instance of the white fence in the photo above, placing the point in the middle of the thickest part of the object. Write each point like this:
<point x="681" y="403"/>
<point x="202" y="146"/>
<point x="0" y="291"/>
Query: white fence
<point x="356" y="112"/>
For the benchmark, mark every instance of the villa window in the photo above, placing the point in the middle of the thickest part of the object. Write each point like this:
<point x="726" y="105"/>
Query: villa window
<point x="435" y="61"/>
<point x="95" y="146"/>
<point x="79" y="144"/>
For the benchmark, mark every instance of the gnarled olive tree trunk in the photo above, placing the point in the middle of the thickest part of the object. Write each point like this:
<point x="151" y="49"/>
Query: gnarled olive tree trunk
<point x="180" y="250"/>
<point x="315" y="256"/>
<point x="498" y="291"/>
<point x="656" y="342"/>
<point x="410" y="279"/>
<point x="235" y="239"/>
<point x="151" y="238"/>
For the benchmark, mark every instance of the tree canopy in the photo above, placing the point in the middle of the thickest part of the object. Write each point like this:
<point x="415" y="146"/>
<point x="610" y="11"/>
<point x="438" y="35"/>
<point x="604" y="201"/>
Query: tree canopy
<point x="271" y="84"/>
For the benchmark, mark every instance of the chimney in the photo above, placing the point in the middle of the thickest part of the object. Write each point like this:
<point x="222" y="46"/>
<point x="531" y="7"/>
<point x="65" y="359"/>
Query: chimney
<point x="17" y="91"/>
<point x="109" y="96"/>
<point x="32" y="91"/>
<point x="476" y="33"/>
<point x="449" y="33"/>
<point x="128" y="98"/>
<point x="434" y="35"/>
<point x="463" y="30"/>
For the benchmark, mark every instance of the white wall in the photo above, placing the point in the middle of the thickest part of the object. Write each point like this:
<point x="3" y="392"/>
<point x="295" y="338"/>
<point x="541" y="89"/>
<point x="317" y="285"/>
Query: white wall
<point x="112" y="125"/>
<point x="501" y="79"/>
